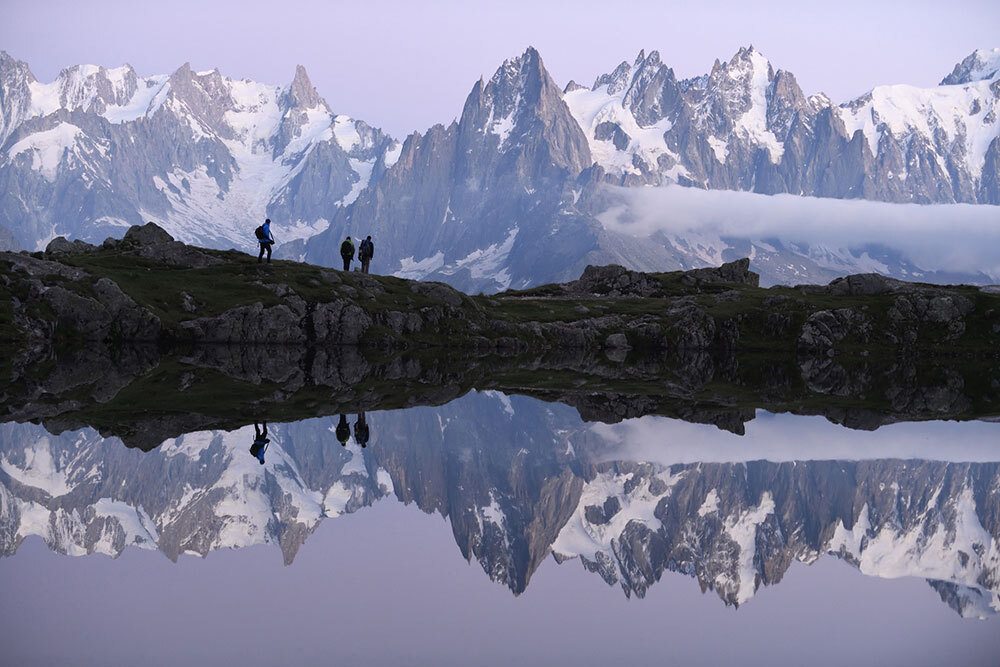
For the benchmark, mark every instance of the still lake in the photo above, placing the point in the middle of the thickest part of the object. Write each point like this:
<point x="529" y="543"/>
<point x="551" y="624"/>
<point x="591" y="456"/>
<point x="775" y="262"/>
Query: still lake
<point x="500" y="528"/>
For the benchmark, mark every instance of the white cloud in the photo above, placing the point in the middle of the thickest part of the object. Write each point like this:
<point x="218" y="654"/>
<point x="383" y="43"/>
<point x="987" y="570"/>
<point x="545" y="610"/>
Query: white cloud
<point x="941" y="237"/>
<point x="787" y="437"/>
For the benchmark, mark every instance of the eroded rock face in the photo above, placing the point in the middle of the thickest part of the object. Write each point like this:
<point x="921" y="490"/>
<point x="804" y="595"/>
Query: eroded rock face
<point x="614" y="280"/>
<point x="737" y="272"/>
<point x="826" y="328"/>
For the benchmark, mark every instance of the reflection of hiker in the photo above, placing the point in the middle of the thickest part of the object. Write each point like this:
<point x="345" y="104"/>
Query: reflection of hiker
<point x="365" y="253"/>
<point x="343" y="430"/>
<point x="265" y="240"/>
<point x="347" y="252"/>
<point x="260" y="441"/>
<point x="361" y="434"/>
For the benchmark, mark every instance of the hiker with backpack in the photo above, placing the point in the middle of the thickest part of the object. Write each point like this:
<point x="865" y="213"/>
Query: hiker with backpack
<point x="361" y="432"/>
<point x="264" y="238"/>
<point x="347" y="252"/>
<point x="260" y="442"/>
<point x="343" y="431"/>
<point x="365" y="253"/>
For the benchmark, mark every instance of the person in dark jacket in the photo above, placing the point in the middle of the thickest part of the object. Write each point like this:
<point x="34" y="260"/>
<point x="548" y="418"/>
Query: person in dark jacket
<point x="266" y="240"/>
<point x="365" y="253"/>
<point x="361" y="433"/>
<point x="343" y="431"/>
<point x="347" y="252"/>
<point x="260" y="442"/>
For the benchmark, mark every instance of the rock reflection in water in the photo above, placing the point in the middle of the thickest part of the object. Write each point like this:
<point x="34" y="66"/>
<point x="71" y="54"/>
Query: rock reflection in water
<point x="520" y="479"/>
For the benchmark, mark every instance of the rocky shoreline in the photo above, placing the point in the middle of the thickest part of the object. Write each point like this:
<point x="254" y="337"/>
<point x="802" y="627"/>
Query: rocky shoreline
<point x="145" y="394"/>
<point x="148" y="287"/>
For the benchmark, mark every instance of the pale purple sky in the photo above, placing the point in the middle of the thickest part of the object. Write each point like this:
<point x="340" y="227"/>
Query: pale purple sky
<point x="407" y="65"/>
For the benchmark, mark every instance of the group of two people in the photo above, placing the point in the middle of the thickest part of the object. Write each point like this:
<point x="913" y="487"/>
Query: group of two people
<point x="361" y="433"/>
<point x="365" y="253"/>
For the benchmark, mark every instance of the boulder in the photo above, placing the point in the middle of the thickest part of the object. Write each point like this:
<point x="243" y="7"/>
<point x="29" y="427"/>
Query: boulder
<point x="439" y="292"/>
<point x="864" y="284"/>
<point x="60" y="245"/>
<point x="147" y="235"/>
<point x="617" y="341"/>
<point x="614" y="280"/>
<point x="737" y="272"/>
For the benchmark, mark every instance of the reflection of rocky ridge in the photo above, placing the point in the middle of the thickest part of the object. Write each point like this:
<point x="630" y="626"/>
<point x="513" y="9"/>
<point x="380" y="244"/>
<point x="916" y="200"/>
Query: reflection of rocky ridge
<point x="196" y="493"/>
<point x="737" y="526"/>
<point x="145" y="395"/>
<point x="518" y="479"/>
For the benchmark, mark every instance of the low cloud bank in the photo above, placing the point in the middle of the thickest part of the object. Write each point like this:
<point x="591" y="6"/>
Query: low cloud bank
<point x="787" y="437"/>
<point x="940" y="237"/>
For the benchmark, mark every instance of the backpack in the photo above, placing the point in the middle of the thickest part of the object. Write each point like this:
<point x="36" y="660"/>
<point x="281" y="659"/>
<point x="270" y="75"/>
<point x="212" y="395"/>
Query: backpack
<point x="367" y="249"/>
<point x="260" y="234"/>
<point x="347" y="249"/>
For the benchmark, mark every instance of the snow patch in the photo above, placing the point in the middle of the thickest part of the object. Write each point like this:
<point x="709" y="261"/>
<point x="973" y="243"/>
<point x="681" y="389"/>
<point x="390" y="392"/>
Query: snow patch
<point x="504" y="401"/>
<point x="40" y="470"/>
<point x="47" y="148"/>
<point x="412" y="270"/>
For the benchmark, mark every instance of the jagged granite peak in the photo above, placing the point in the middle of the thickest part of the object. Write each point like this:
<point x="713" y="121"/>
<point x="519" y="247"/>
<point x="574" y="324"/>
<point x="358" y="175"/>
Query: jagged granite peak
<point x="15" y="94"/>
<point x="616" y="80"/>
<point x="980" y="65"/>
<point x="467" y="191"/>
<point x="522" y="100"/>
<point x="301" y="92"/>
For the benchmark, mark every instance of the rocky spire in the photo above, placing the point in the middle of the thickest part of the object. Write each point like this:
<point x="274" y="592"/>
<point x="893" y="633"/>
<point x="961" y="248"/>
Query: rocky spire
<point x="301" y="92"/>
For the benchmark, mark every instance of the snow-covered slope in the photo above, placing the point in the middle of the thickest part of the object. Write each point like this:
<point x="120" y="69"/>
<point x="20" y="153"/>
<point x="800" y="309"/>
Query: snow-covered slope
<point x="205" y="156"/>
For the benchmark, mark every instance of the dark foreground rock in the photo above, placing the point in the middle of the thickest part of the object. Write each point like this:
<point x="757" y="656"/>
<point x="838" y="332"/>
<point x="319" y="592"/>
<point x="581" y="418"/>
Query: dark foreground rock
<point x="148" y="287"/>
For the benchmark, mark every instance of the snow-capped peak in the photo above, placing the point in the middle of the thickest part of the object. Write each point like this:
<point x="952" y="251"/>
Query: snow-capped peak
<point x="980" y="65"/>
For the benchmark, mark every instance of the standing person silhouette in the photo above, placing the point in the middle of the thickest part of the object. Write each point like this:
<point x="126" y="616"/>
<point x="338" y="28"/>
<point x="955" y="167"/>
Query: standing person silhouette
<point x="265" y="239"/>
<point x="343" y="431"/>
<point x="365" y="253"/>
<point x="347" y="252"/>
<point x="361" y="433"/>
<point x="260" y="442"/>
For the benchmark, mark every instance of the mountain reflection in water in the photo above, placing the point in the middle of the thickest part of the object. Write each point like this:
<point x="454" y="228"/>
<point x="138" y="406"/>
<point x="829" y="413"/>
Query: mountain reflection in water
<point x="519" y="480"/>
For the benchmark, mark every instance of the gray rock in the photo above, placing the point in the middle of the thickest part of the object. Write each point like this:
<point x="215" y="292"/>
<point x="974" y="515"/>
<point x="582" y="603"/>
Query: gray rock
<point x="864" y="284"/>
<point x="737" y="272"/>
<point x="149" y="234"/>
<point x="617" y="341"/>
<point x="61" y="245"/>
<point x="249" y="324"/>
<point x="188" y="304"/>
<point x="437" y="291"/>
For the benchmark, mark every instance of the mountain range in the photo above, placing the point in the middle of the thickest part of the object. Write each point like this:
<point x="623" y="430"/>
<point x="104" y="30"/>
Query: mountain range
<point x="516" y="191"/>
<point x="518" y="480"/>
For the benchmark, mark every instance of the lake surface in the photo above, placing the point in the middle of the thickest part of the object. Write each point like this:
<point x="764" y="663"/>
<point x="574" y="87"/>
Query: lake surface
<point x="499" y="528"/>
